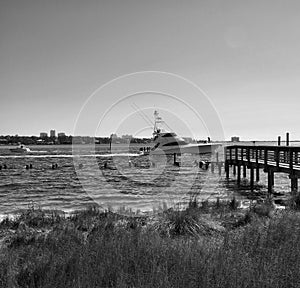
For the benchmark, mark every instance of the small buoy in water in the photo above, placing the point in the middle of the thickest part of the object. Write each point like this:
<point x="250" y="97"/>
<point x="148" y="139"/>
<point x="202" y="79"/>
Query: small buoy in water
<point x="201" y="163"/>
<point x="129" y="163"/>
<point x="204" y="165"/>
<point x="27" y="167"/>
<point x="80" y="166"/>
<point x="4" y="166"/>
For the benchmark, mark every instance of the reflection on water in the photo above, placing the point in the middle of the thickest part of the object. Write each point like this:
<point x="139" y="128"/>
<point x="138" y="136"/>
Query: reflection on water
<point x="131" y="181"/>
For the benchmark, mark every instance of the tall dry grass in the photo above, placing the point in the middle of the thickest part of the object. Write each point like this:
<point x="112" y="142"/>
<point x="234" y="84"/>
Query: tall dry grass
<point x="102" y="249"/>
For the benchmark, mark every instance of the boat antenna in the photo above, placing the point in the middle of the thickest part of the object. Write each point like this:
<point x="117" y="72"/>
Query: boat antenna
<point x="142" y="114"/>
<point x="158" y="119"/>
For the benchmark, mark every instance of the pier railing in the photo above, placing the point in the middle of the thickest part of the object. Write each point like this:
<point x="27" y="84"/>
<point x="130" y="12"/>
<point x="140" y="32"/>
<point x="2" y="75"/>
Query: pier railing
<point x="282" y="157"/>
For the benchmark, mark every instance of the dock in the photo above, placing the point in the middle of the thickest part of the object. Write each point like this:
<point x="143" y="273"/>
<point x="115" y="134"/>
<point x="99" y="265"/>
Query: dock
<point x="271" y="159"/>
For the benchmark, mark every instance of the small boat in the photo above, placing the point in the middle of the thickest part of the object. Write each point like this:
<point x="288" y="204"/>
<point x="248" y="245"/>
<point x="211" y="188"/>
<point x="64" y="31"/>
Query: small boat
<point x="20" y="149"/>
<point x="169" y="143"/>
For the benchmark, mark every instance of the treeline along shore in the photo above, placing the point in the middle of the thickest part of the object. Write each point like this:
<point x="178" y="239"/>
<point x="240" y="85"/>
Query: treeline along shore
<point x="208" y="244"/>
<point x="35" y="140"/>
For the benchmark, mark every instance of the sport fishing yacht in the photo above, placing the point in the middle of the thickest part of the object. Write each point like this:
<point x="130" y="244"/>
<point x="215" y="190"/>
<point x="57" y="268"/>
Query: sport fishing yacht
<point x="169" y="143"/>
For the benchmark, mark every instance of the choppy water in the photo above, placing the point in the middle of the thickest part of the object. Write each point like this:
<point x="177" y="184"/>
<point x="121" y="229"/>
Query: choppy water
<point x="118" y="180"/>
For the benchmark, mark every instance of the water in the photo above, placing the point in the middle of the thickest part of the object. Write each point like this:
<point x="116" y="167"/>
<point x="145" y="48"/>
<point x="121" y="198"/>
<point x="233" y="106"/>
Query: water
<point x="128" y="181"/>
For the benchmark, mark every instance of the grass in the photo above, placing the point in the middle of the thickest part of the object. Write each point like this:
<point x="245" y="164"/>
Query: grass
<point x="205" y="245"/>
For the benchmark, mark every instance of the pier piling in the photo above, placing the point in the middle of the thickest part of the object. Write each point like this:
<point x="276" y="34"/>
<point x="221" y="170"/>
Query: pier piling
<point x="294" y="184"/>
<point x="257" y="174"/>
<point x="175" y="162"/>
<point x="238" y="174"/>
<point x="272" y="159"/>
<point x="251" y="178"/>
<point x="220" y="168"/>
<point x="244" y="171"/>
<point x="227" y="170"/>
<point x="270" y="181"/>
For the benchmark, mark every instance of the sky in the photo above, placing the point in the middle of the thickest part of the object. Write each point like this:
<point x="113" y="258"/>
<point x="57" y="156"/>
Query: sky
<point x="243" y="55"/>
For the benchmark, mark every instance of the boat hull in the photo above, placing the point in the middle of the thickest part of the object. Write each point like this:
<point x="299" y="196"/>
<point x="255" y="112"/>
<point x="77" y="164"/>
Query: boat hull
<point x="186" y="149"/>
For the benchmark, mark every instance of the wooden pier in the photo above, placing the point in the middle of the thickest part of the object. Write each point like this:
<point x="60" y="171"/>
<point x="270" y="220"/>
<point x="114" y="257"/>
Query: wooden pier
<point x="272" y="159"/>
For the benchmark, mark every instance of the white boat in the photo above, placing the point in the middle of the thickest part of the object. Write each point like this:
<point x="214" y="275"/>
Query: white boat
<point x="20" y="149"/>
<point x="169" y="143"/>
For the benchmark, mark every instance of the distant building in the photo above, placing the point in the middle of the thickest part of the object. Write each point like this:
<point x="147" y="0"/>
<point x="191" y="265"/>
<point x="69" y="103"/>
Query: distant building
<point x="61" y="134"/>
<point x="52" y="133"/>
<point x="235" y="139"/>
<point x="43" y="135"/>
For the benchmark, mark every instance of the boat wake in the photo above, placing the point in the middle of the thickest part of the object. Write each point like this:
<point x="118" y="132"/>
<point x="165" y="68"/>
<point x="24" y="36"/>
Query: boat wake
<point x="71" y="155"/>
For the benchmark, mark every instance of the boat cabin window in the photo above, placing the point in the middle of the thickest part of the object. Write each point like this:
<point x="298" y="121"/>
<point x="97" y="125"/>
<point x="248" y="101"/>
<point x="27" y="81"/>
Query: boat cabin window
<point x="175" y="143"/>
<point x="169" y="135"/>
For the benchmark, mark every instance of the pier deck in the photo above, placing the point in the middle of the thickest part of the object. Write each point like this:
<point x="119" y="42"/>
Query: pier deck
<point x="272" y="159"/>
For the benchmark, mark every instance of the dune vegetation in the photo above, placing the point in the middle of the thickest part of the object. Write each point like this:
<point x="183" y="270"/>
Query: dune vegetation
<point x="205" y="245"/>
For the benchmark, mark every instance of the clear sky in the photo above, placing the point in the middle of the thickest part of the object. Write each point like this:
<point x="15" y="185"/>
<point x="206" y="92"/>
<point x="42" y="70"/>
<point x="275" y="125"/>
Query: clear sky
<point x="243" y="54"/>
